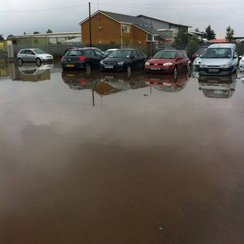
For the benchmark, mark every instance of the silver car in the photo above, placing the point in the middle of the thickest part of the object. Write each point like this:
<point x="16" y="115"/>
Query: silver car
<point x="33" y="55"/>
<point x="241" y="64"/>
<point x="219" y="59"/>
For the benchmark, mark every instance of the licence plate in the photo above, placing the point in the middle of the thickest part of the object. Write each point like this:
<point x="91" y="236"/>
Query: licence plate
<point x="213" y="70"/>
<point x="109" y="66"/>
<point x="70" y="65"/>
<point x="155" y="68"/>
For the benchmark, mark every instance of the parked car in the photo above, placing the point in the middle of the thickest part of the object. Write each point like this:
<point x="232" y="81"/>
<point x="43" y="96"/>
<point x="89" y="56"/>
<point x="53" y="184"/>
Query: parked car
<point x="82" y="58"/>
<point x="198" y="59"/>
<point x="198" y="53"/>
<point x="33" y="55"/>
<point x="168" y="61"/>
<point x="109" y="51"/>
<point x="126" y="59"/>
<point x="241" y="64"/>
<point x="219" y="59"/>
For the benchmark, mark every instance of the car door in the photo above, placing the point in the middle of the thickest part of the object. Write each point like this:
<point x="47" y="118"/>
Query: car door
<point x="134" y="60"/>
<point x="181" y="60"/>
<point x="30" y="56"/>
<point x="97" y="58"/>
<point x="141" y="59"/>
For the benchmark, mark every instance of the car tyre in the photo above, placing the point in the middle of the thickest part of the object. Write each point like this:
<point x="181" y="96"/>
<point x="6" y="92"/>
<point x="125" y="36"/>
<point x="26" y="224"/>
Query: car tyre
<point x="128" y="70"/>
<point x="38" y="62"/>
<point x="20" y="62"/>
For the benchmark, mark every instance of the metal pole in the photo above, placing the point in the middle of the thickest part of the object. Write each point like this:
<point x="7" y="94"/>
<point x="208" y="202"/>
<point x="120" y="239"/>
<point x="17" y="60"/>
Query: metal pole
<point x="90" y="28"/>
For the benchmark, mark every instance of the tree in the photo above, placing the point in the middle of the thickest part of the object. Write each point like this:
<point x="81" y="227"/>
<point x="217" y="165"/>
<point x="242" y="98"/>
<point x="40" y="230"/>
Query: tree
<point x="229" y="34"/>
<point x="36" y="32"/>
<point x="209" y="33"/>
<point x="1" y="37"/>
<point x="49" y="31"/>
<point x="181" y="39"/>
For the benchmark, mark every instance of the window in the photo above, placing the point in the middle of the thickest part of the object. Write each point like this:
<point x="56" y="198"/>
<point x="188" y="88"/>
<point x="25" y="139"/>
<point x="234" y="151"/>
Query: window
<point x="180" y="54"/>
<point x="99" y="54"/>
<point x="125" y="28"/>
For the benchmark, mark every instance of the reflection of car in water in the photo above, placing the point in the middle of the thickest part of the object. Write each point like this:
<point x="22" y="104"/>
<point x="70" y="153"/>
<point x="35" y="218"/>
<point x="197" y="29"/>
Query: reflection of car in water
<point x="102" y="83"/>
<point x="30" y="72"/>
<point x="79" y="80"/>
<point x="217" y="86"/>
<point x="167" y="83"/>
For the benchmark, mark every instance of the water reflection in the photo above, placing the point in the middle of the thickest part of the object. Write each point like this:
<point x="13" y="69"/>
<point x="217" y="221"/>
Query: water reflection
<point x="4" y="71"/>
<point x="103" y="83"/>
<point x="217" y="86"/>
<point x="29" y="72"/>
<point x="167" y="83"/>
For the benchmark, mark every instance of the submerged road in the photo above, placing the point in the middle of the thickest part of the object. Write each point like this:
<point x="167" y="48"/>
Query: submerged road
<point x="106" y="158"/>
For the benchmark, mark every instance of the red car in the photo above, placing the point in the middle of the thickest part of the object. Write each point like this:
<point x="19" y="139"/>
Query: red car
<point x="168" y="61"/>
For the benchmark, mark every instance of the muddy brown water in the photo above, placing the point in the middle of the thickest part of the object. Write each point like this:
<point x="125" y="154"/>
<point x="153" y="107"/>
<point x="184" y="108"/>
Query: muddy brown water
<point x="106" y="158"/>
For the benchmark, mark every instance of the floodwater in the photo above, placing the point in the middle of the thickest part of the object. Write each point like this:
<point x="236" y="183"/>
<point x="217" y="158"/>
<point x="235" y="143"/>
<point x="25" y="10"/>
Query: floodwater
<point x="107" y="158"/>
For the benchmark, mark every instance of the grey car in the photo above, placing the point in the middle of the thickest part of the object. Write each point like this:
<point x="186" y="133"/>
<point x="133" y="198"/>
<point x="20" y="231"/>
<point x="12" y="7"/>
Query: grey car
<point x="33" y="55"/>
<point x="219" y="59"/>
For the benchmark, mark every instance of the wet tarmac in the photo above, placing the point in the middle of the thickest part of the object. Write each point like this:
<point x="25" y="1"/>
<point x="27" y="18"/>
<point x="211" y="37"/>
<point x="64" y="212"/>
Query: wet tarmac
<point x="106" y="158"/>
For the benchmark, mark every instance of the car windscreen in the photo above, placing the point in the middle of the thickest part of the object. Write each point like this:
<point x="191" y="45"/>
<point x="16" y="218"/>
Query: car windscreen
<point x="218" y="53"/>
<point x="120" y="54"/>
<point x="165" y="54"/>
<point x="74" y="53"/>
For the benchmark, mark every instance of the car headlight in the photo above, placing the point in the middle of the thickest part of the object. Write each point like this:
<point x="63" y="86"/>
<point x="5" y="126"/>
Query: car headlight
<point x="203" y="66"/>
<point x="101" y="62"/>
<point x="120" y="63"/>
<point x="168" y="64"/>
<point x="147" y="63"/>
<point x="224" y="66"/>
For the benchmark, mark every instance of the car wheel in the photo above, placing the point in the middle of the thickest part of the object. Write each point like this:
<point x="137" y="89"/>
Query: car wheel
<point x="128" y="70"/>
<point x="20" y="62"/>
<point x="175" y="73"/>
<point x="38" y="62"/>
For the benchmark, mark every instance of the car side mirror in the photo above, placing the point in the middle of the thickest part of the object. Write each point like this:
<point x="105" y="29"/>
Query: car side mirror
<point x="235" y="56"/>
<point x="201" y="56"/>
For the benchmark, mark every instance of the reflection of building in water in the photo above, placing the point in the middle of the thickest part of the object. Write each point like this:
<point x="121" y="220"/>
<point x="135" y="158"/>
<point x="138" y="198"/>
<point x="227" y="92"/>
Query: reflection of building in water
<point x="102" y="83"/>
<point x="30" y="72"/>
<point x="4" y="71"/>
<point x="217" y="86"/>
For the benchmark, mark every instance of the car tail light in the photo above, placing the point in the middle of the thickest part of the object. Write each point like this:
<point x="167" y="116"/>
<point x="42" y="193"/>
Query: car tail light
<point x="82" y="58"/>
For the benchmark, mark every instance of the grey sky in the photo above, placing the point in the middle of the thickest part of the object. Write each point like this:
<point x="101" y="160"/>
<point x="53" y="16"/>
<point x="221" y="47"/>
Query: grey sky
<point x="19" y="16"/>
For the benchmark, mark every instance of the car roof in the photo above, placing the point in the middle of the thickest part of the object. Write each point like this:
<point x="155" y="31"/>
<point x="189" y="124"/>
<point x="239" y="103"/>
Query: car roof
<point x="223" y="45"/>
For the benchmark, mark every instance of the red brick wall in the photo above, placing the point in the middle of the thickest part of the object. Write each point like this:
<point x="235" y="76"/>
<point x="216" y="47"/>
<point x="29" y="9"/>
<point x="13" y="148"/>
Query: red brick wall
<point x="104" y="31"/>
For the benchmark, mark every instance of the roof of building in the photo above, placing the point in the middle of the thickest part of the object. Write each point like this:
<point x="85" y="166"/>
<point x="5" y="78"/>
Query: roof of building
<point x="137" y="21"/>
<point x="218" y="41"/>
<point x="164" y="21"/>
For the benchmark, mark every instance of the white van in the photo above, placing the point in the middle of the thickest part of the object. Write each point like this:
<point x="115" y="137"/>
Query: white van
<point x="219" y="59"/>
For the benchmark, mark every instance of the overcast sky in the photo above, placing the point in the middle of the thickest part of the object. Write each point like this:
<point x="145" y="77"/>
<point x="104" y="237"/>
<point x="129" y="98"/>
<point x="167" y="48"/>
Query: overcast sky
<point x="19" y="16"/>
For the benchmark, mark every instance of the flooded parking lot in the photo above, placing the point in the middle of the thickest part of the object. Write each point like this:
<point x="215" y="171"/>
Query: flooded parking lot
<point x="116" y="158"/>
